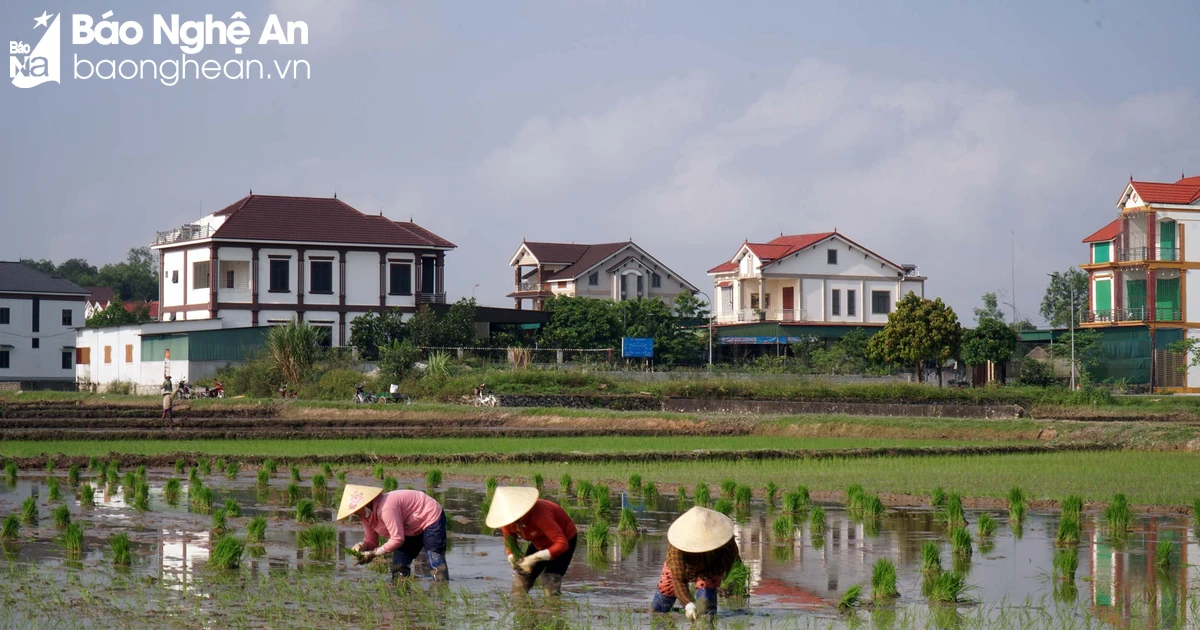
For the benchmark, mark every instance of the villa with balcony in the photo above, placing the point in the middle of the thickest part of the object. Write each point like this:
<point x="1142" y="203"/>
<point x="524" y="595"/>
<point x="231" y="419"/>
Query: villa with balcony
<point x="268" y="259"/>
<point x="805" y="279"/>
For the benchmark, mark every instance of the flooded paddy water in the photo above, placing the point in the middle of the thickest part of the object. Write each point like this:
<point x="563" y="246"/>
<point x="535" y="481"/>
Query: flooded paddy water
<point x="1010" y="575"/>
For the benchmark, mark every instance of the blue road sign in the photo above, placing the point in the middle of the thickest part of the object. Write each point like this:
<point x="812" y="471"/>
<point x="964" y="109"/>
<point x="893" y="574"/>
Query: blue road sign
<point x="637" y="347"/>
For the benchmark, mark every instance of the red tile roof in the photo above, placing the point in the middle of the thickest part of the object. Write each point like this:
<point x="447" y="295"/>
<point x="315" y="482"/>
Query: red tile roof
<point x="1106" y="233"/>
<point x="724" y="267"/>
<point x="152" y="307"/>
<point x="590" y="257"/>
<point x="317" y="220"/>
<point x="1184" y="191"/>
<point x="100" y="295"/>
<point x="775" y="249"/>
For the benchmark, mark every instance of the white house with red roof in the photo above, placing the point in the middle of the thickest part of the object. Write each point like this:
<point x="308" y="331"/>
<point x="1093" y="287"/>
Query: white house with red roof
<point x="605" y="271"/>
<point x="821" y="278"/>
<point x="268" y="259"/>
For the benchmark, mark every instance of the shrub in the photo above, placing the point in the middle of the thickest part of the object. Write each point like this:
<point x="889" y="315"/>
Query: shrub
<point x="883" y="579"/>
<point x="291" y="350"/>
<point x="1036" y="373"/>
<point x="332" y="384"/>
<point x="255" y="378"/>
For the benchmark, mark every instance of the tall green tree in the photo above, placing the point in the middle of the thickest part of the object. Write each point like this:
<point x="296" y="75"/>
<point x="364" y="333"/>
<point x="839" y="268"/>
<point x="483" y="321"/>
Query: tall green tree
<point x="115" y="314"/>
<point x="456" y="328"/>
<point x="577" y="322"/>
<point x="918" y="330"/>
<point x="992" y="340"/>
<point x="370" y="332"/>
<point x="1057" y="305"/>
<point x="133" y="280"/>
<point x="990" y="309"/>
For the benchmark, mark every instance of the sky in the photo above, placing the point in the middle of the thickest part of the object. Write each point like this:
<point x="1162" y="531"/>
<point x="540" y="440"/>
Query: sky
<point x="967" y="138"/>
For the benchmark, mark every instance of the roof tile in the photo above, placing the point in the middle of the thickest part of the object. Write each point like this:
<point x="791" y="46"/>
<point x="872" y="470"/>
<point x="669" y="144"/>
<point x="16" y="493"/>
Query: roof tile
<point x="317" y="220"/>
<point x="16" y="277"/>
<point x="1106" y="233"/>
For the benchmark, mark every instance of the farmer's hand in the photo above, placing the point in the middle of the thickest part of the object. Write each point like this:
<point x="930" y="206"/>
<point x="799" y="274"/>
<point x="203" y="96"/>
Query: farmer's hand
<point x="357" y="547"/>
<point x="516" y="564"/>
<point x="690" y="610"/>
<point x="528" y="563"/>
<point x="367" y="556"/>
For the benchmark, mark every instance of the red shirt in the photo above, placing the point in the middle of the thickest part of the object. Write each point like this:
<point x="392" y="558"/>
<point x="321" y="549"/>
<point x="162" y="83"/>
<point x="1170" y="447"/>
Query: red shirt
<point x="547" y="526"/>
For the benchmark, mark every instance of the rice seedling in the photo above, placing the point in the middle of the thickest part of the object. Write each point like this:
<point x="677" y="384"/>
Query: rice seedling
<point x="1068" y="532"/>
<point x="938" y="499"/>
<point x="784" y="528"/>
<point x="219" y="525"/>
<point x="390" y="483"/>
<point x="565" y="484"/>
<point x="319" y="485"/>
<point x="1066" y="561"/>
<point x="129" y="481"/>
<point x="141" y="472"/>
<point x="737" y="581"/>
<point x="206" y="467"/>
<point x="201" y="499"/>
<point x="172" y="490"/>
<point x="270" y="466"/>
<point x="742" y="497"/>
<point x="341" y="476"/>
<point x="227" y="553"/>
<point x="960" y="542"/>
<point x="327" y="469"/>
<point x="256" y="529"/>
<point x="883" y="579"/>
<point x="179" y="467"/>
<point x="649" y="490"/>
<point x="141" y="496"/>
<point x="597" y="536"/>
<point x="49" y="465"/>
<point x="953" y="514"/>
<point x="703" y="497"/>
<point x="53" y="490"/>
<point x="854" y="495"/>
<point x="583" y="491"/>
<point x="295" y="471"/>
<point x="72" y="538"/>
<point x="772" y="492"/>
<point x="73" y="476"/>
<point x="378" y="474"/>
<point x="232" y="508"/>
<point x="816" y="520"/>
<point x="986" y="525"/>
<point x="628" y="523"/>
<point x="871" y="508"/>
<point x="433" y="479"/>
<point x="62" y="516"/>
<point x="194" y="476"/>
<point x="87" y="495"/>
<point x="728" y="487"/>
<point x="931" y="558"/>
<point x="264" y="478"/>
<point x="119" y="544"/>
<point x="232" y="469"/>
<point x="113" y="478"/>
<point x="319" y="538"/>
<point x="1118" y="517"/>
<point x="851" y="599"/>
<point x="293" y="493"/>
<point x="306" y="511"/>
<point x="29" y="511"/>
<point x="1164" y="555"/>
<point x="603" y="500"/>
<point x="11" y="527"/>
<point x="724" y="506"/>
<point x="10" y="472"/>
<point x="1072" y="507"/>
<point x="635" y="483"/>
<point x="947" y="588"/>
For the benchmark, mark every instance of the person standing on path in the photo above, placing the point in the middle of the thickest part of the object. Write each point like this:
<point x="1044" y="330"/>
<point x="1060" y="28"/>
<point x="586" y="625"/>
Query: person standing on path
<point x="700" y="549"/>
<point x="410" y="520"/>
<point x="168" y="399"/>
<point x="548" y="528"/>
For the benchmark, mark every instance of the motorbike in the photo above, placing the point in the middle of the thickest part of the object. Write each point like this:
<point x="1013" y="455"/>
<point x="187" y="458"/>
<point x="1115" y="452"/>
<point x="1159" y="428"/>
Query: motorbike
<point x="185" y="390"/>
<point x="284" y="392"/>
<point x="361" y="396"/>
<point x="216" y="391"/>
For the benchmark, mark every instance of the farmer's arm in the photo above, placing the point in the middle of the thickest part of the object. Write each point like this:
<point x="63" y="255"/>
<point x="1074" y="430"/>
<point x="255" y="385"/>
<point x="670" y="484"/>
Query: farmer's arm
<point x="393" y="520"/>
<point x="370" y="538"/>
<point x="558" y="539"/>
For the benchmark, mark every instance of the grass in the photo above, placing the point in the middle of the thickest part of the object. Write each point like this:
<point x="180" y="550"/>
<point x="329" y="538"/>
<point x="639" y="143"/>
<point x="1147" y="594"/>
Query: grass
<point x="960" y="542"/>
<point x="72" y="538"/>
<point x="11" y="527"/>
<point x="628" y="523"/>
<point x="433" y="479"/>
<point x="87" y="495"/>
<point x="931" y="558"/>
<point x="232" y="508"/>
<point x="737" y="581"/>
<point x="227" y="553"/>
<point x="53" y="490"/>
<point x="947" y="588"/>
<point x="118" y="543"/>
<point x="256" y="529"/>
<point x="29" y="511"/>
<point x="883" y="580"/>
<point x="851" y="599"/>
<point x="62" y="516"/>
<point x="306" y="511"/>
<point x="784" y="528"/>
<point x="986" y="525"/>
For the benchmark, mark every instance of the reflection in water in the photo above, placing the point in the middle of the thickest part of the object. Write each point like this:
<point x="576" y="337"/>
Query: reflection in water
<point x="1118" y="584"/>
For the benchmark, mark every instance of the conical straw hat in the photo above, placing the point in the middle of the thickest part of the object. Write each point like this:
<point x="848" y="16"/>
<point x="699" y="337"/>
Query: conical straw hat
<point x="355" y="497"/>
<point x="699" y="530"/>
<point x="510" y="503"/>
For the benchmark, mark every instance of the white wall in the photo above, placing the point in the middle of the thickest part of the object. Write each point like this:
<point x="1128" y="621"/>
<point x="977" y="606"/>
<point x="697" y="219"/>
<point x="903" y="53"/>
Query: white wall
<point x="117" y="369"/>
<point x="814" y="302"/>
<point x="362" y="278"/>
<point x="172" y="267"/>
<point x="851" y="261"/>
<point x="45" y="361"/>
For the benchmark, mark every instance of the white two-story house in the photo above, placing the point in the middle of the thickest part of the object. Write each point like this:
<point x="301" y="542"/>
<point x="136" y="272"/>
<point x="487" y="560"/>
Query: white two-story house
<point x="268" y="259"/>
<point x="810" y="278"/>
<point x="606" y="271"/>
<point x="39" y="315"/>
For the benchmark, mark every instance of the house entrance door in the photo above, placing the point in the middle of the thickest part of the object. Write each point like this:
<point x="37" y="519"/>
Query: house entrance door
<point x="789" y="303"/>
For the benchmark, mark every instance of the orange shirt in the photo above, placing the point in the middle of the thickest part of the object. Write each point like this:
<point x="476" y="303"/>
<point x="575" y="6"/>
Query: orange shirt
<point x="547" y="526"/>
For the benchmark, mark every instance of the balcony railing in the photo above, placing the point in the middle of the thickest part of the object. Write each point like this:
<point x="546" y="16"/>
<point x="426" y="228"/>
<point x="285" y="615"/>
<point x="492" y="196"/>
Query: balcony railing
<point x="1133" y="254"/>
<point x="433" y="298"/>
<point x="1167" y="253"/>
<point x="1138" y="314"/>
<point x="758" y="315"/>
<point x="189" y="232"/>
<point x="529" y="286"/>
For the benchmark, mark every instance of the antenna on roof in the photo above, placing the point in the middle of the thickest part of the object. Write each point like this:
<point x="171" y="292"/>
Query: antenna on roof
<point x="251" y="190"/>
<point x="835" y="229"/>
<point x="335" y="193"/>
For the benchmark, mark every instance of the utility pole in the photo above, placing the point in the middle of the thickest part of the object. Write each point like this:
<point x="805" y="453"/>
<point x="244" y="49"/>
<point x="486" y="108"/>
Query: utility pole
<point x="1072" y="335"/>
<point x="711" y="315"/>
<point x="1012" y="256"/>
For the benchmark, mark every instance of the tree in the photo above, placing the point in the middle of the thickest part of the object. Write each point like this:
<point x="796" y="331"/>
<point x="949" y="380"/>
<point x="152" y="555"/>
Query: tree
<point x="578" y="322"/>
<point x="423" y="328"/>
<point x="292" y="350"/>
<point x="992" y="340"/>
<point x="116" y="314"/>
<point x="1057" y="305"/>
<point x="918" y="330"/>
<point x="688" y="306"/>
<point x="1089" y="354"/>
<point x="456" y="328"/>
<point x="370" y="332"/>
<point x="134" y="280"/>
<point x="990" y="309"/>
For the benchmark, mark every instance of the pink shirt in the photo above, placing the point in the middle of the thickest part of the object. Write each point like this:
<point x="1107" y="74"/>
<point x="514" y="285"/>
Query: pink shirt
<point x="397" y="514"/>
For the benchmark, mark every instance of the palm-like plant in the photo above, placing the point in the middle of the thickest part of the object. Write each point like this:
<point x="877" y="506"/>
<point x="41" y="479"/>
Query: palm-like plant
<point x="292" y="350"/>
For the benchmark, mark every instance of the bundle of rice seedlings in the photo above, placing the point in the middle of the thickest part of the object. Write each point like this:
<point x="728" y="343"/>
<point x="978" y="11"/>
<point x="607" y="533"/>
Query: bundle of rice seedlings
<point x="227" y="553"/>
<point x="295" y="472"/>
<point x="635" y="483"/>
<point x="565" y="484"/>
<point x="792" y="503"/>
<point x="491" y="485"/>
<point x="584" y="491"/>
<point x="1164" y="555"/>
<point x="119" y="543"/>
<point x="293" y="493"/>
<point x="598" y="536"/>
<point x="87" y="495"/>
<point x="772" y="491"/>
<point x="264" y="478"/>
<point x="73" y="538"/>
<point x="737" y="581"/>
<point x="539" y="481"/>
<point x="728" y="487"/>
<point x="986" y="525"/>
<point x="220" y="464"/>
<point x="141" y="496"/>
<point x="514" y="547"/>
<point x="73" y="475"/>
<point x="206" y="467"/>
<point x="319" y="538"/>
<point x="603" y="500"/>
<point x="232" y="509"/>
<point x="11" y="527"/>
<point x="270" y="466"/>
<point x="1066" y="561"/>
<point x="49" y="465"/>
<point x="947" y="588"/>
<point x="129" y="481"/>
<point x="649" y="490"/>
<point x="141" y="472"/>
<point x="931" y="558"/>
<point x="784" y="528"/>
<point x="851" y="599"/>
<point x="62" y="516"/>
<point x="201" y="499"/>
<point x="854" y="495"/>
<point x="816" y="521"/>
<point x="113" y="479"/>
<point x="960" y="542"/>
<point x="178" y="471"/>
<point x="953" y="513"/>
<point x="883" y="579"/>
<point x="319" y="485"/>
<point x="703" y="497"/>
<point x="29" y="511"/>
<point x="341" y="476"/>
<point x="938" y="499"/>
<point x="232" y="469"/>
<point x="433" y="479"/>
<point x="1068" y="533"/>
<point x="10" y="472"/>
<point x="219" y="525"/>
<point x="803" y="496"/>
<point x="306" y="511"/>
<point x="93" y="463"/>
<point x="724" y="506"/>
<point x="194" y="477"/>
<point x="54" y="492"/>
<point x="1072" y="507"/>
<point x="379" y="472"/>
<point x="742" y="497"/>
<point x="390" y="483"/>
<point x="628" y="523"/>
<point x="327" y="469"/>
<point x="256" y="529"/>
<point x="681" y="495"/>
<point x="1118" y="516"/>
<point x="870" y="507"/>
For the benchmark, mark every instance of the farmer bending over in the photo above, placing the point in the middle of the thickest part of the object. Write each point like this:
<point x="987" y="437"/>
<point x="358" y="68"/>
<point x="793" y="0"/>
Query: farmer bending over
<point x="700" y="549"/>
<point x="411" y="520"/>
<point x="547" y="527"/>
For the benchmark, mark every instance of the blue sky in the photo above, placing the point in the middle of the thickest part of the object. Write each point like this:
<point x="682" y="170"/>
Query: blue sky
<point x="926" y="131"/>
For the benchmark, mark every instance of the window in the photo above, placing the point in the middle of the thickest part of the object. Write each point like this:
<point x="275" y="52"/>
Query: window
<point x="593" y="279"/>
<point x="66" y="360"/>
<point x="639" y="286"/>
<point x="831" y="256"/>
<point x="83" y="355"/>
<point x="175" y="277"/>
<point x="4" y="315"/>
<point x="320" y="276"/>
<point x="655" y="281"/>
<point x="851" y="306"/>
<point x="37" y="315"/>
<point x="37" y="343"/>
<point x="835" y="302"/>
<point x="108" y="354"/>
<point x="129" y="353"/>
<point x="200" y="276"/>
<point x="229" y="279"/>
<point x="279" y="276"/>
<point x="3" y="359"/>
<point x="400" y="279"/>
<point x="67" y="317"/>
<point x="428" y="275"/>
<point x="881" y="302"/>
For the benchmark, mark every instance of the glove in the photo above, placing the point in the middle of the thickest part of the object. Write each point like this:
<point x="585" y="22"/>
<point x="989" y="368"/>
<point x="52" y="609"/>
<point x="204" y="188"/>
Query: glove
<point x="513" y="561"/>
<point x="529" y="561"/>
<point x="357" y="547"/>
<point x="690" y="610"/>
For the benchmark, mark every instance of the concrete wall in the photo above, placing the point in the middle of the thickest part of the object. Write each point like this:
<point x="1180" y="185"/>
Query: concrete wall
<point x="45" y="361"/>
<point x="116" y="339"/>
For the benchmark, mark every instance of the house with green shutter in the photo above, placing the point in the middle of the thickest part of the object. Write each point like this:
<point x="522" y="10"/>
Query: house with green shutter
<point x="1139" y="266"/>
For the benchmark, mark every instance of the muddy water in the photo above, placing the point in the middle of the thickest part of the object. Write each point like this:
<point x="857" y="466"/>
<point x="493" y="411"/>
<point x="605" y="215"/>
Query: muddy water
<point x="805" y="578"/>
